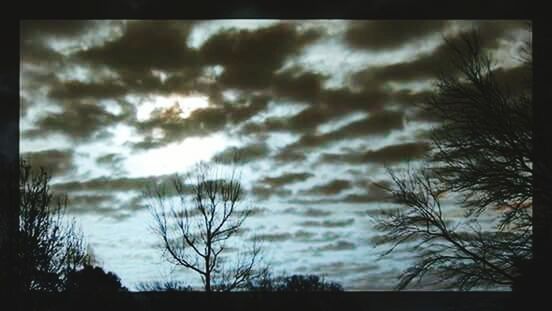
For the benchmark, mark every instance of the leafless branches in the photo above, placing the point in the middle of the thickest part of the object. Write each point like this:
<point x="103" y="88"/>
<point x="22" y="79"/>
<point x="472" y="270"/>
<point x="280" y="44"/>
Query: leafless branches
<point x="49" y="246"/>
<point x="483" y="154"/>
<point x="194" y="230"/>
<point x="460" y="254"/>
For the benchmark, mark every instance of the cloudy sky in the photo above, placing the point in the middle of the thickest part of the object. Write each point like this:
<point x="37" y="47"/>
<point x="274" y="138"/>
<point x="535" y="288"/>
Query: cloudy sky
<point x="316" y="109"/>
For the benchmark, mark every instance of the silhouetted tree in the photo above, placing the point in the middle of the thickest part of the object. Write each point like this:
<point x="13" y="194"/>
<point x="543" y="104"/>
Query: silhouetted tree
<point x="194" y="233"/>
<point x="293" y="283"/>
<point x="92" y="279"/>
<point x="483" y="156"/>
<point x="164" y="286"/>
<point x="49" y="246"/>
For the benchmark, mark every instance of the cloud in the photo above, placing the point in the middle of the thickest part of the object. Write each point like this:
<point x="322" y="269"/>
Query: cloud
<point x="55" y="162"/>
<point x="109" y="159"/>
<point x="373" y="192"/>
<point x="274" y="237"/>
<point x="78" y="120"/>
<point x="145" y="46"/>
<point x="290" y="156"/>
<point x="297" y="236"/>
<point x="303" y="236"/>
<point x="90" y="199"/>
<point x="331" y="188"/>
<point x="54" y="28"/>
<point x="388" y="154"/>
<point x="105" y="205"/>
<point x="107" y="184"/>
<point x="200" y="122"/>
<point x="285" y="179"/>
<point x="34" y="36"/>
<point x="514" y="80"/>
<point x="298" y="84"/>
<point x="306" y="212"/>
<point x="250" y="57"/>
<point x="428" y="65"/>
<point x="392" y="34"/>
<point x="265" y="192"/>
<point x="75" y="90"/>
<point x="328" y="223"/>
<point x="331" y="104"/>
<point x="245" y="154"/>
<point x="379" y="123"/>
<point x="337" y="246"/>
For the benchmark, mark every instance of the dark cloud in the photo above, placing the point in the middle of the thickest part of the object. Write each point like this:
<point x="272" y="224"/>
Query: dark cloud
<point x="328" y="223"/>
<point x="107" y="184"/>
<point x="112" y="161"/>
<point x="274" y="237"/>
<point x="428" y="65"/>
<point x="74" y="90"/>
<point x="306" y="212"/>
<point x="55" y="162"/>
<point x="23" y="106"/>
<point x="374" y="213"/>
<point x="514" y="80"/>
<point x="337" y="246"/>
<point x="250" y="57"/>
<point x="303" y="236"/>
<point x="379" y="123"/>
<point x="245" y="154"/>
<point x="143" y="50"/>
<point x="143" y="47"/>
<point x="331" y="104"/>
<point x="78" y="120"/>
<point x="297" y="84"/>
<point x="290" y="156"/>
<point x="331" y="188"/>
<point x="104" y="205"/>
<point x="298" y="236"/>
<point x="372" y="192"/>
<point x="37" y="53"/>
<point x="492" y="31"/>
<point x="265" y="192"/>
<point x="93" y="199"/>
<point x="386" y="155"/>
<point x="110" y="158"/>
<point x="392" y="34"/>
<point x="285" y="179"/>
<point x="54" y="28"/>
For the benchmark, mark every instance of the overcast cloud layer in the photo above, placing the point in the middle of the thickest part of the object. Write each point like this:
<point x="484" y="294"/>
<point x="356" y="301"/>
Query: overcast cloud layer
<point x="314" y="109"/>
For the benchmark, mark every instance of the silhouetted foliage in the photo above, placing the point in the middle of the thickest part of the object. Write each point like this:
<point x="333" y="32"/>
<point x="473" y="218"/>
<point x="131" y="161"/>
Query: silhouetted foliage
<point x="483" y="160"/>
<point x="195" y="232"/>
<point x="92" y="279"/>
<point x="164" y="286"/>
<point x="49" y="246"/>
<point x="293" y="283"/>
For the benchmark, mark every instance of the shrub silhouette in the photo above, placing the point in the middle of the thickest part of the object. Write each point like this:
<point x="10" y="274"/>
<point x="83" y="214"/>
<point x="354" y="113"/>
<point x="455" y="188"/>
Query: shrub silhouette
<point x="164" y="286"/>
<point x="294" y="283"/>
<point x="94" y="280"/>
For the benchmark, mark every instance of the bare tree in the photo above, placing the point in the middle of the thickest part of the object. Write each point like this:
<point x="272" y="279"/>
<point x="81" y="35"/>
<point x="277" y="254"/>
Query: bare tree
<point x="482" y="154"/>
<point x="195" y="232"/>
<point x="459" y="253"/>
<point x="49" y="246"/>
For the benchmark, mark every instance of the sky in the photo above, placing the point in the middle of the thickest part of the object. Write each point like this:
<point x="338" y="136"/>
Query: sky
<point x="316" y="110"/>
